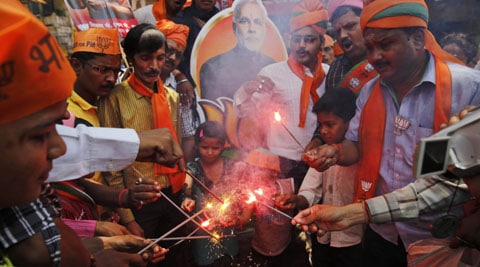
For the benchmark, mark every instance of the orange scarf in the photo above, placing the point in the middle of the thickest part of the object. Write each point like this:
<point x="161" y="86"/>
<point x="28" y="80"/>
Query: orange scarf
<point x="161" y="112"/>
<point x="309" y="86"/>
<point x="358" y="76"/>
<point x="372" y="129"/>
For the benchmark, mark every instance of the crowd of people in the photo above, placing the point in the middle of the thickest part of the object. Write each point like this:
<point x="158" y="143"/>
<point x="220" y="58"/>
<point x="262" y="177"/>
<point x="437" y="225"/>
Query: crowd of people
<point x="103" y="172"/>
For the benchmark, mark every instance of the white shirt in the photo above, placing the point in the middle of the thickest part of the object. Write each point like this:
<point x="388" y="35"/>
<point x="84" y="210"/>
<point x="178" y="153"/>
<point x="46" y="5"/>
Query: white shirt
<point x="285" y="99"/>
<point x="91" y="149"/>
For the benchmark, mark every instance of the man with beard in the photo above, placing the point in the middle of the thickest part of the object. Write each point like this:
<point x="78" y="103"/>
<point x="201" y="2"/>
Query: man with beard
<point x="290" y="87"/>
<point x="222" y="75"/>
<point x="418" y="88"/>
<point x="142" y="102"/>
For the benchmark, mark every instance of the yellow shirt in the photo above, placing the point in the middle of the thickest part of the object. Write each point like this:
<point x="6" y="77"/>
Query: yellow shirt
<point x="125" y="108"/>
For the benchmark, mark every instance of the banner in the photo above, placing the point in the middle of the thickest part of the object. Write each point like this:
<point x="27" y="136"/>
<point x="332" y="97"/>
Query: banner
<point x="102" y="14"/>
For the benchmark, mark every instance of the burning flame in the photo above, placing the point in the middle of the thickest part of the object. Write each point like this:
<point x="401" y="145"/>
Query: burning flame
<point x="277" y="116"/>
<point x="206" y="223"/>
<point x="209" y="205"/>
<point x="251" y="198"/>
<point x="224" y="206"/>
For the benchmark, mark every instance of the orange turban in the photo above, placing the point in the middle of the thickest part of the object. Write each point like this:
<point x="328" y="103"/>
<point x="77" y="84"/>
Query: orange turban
<point x="173" y="31"/>
<point x="97" y="40"/>
<point x="334" y="4"/>
<point x="34" y="72"/>
<point x="264" y="159"/>
<point x="309" y="13"/>
<point x="387" y="14"/>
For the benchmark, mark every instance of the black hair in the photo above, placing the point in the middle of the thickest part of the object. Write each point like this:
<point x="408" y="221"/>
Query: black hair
<point x="342" y="10"/>
<point x="463" y="41"/>
<point x="144" y="37"/>
<point x="339" y="101"/>
<point x="85" y="56"/>
<point x="210" y="129"/>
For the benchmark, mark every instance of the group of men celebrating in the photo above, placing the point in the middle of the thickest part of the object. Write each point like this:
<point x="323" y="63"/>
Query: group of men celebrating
<point x="407" y="88"/>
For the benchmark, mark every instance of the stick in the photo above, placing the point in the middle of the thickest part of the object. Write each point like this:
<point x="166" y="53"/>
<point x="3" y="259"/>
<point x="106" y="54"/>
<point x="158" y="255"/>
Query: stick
<point x="186" y="215"/>
<point x="204" y="186"/>
<point x="293" y="137"/>
<point x="274" y="209"/>
<point x="169" y="232"/>
<point x="193" y="237"/>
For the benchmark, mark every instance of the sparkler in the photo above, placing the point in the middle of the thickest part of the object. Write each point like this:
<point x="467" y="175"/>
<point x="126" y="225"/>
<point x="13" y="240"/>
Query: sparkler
<point x="204" y="186"/>
<point x="278" y="118"/>
<point x="169" y="232"/>
<point x="186" y="215"/>
<point x="193" y="237"/>
<point x="252" y="198"/>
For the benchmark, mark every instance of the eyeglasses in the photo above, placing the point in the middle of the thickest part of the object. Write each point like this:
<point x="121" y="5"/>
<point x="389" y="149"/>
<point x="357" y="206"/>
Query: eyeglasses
<point x="307" y="39"/>
<point x="104" y="70"/>
<point x="170" y="51"/>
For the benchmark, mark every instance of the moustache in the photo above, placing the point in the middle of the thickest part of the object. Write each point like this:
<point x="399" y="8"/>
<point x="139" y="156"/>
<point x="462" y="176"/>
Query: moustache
<point x="152" y="72"/>
<point x="302" y="50"/>
<point x="108" y="85"/>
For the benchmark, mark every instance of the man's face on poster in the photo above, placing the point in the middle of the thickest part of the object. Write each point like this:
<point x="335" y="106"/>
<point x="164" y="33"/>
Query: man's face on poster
<point x="250" y="27"/>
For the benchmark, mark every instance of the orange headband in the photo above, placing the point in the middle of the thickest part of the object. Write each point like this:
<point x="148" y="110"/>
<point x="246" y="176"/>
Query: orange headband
<point x="34" y="72"/>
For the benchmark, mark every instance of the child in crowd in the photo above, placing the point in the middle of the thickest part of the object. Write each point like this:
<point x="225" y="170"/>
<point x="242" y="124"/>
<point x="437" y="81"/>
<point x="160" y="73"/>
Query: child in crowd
<point x="333" y="186"/>
<point x="214" y="171"/>
<point x="273" y="230"/>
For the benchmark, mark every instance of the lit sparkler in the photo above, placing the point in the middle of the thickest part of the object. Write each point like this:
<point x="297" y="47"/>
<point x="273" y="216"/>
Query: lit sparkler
<point x="278" y="118"/>
<point x="252" y="198"/>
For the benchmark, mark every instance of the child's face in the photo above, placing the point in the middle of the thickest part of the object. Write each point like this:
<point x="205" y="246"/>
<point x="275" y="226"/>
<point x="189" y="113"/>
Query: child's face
<point x="332" y="128"/>
<point x="210" y="149"/>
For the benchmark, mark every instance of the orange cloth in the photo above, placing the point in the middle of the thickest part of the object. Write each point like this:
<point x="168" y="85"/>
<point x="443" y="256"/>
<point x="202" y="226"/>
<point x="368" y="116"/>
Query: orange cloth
<point x="309" y="86"/>
<point x="34" y="72"/>
<point x="370" y="19"/>
<point x="161" y="119"/>
<point x="97" y="40"/>
<point x="264" y="159"/>
<point x="159" y="10"/>
<point x="309" y="13"/>
<point x="173" y="31"/>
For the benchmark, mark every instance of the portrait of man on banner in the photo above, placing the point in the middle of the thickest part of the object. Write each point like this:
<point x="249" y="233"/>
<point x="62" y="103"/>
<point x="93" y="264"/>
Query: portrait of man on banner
<point x="232" y="47"/>
<point x="102" y="14"/>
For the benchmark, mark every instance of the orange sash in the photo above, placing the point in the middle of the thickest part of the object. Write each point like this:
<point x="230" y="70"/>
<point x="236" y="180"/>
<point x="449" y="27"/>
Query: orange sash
<point x="309" y="86"/>
<point x="358" y="76"/>
<point x="372" y="129"/>
<point x="161" y="119"/>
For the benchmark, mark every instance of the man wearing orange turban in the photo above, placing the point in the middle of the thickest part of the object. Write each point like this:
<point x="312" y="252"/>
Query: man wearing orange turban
<point x="290" y="87"/>
<point x="420" y="86"/>
<point x="176" y="35"/>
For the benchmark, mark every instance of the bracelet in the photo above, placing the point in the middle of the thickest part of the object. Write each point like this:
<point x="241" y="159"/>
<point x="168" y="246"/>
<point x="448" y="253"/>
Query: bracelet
<point x="120" y="196"/>
<point x="182" y="81"/>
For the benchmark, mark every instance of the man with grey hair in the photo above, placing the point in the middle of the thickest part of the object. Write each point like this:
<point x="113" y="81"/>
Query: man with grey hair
<point x="223" y="74"/>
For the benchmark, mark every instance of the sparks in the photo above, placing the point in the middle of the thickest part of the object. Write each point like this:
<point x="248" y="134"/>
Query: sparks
<point x="277" y="116"/>
<point x="206" y="223"/>
<point x="251" y="198"/>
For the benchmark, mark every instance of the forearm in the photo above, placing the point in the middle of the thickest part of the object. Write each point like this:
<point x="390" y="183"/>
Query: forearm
<point x="349" y="153"/>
